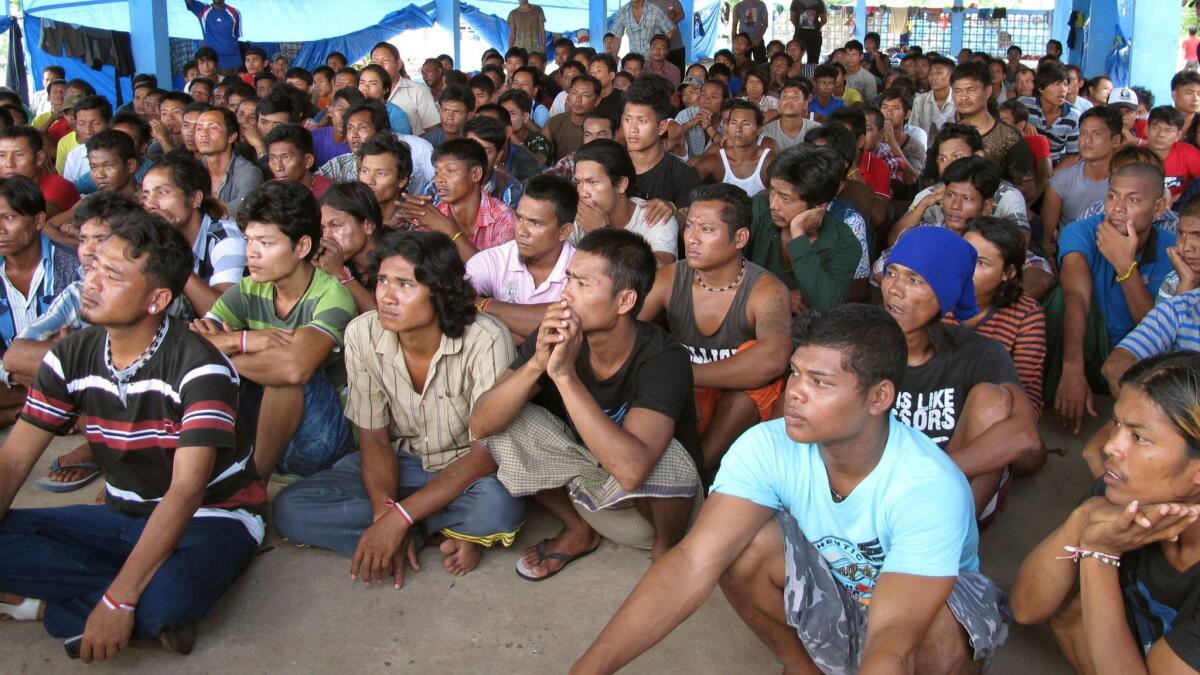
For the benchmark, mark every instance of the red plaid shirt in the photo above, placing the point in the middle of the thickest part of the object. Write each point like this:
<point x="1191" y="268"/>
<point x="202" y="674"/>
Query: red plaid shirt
<point x="493" y="226"/>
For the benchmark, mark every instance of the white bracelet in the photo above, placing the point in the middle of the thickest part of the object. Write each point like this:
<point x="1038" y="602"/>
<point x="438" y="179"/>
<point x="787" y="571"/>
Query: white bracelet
<point x="1078" y="554"/>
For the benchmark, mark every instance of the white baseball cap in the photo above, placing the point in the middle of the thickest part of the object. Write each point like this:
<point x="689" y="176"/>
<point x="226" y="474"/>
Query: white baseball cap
<point x="1123" y="96"/>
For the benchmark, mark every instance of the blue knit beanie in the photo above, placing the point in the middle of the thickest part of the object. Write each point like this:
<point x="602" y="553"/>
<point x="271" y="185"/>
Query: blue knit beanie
<point x="946" y="261"/>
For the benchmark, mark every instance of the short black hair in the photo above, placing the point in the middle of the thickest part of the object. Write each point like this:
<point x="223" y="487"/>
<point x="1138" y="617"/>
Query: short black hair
<point x="384" y="78"/>
<point x="32" y="136"/>
<point x="57" y="70"/>
<point x="813" y="172"/>
<point x="487" y="128"/>
<point x="519" y="53"/>
<point x="837" y="138"/>
<point x="632" y="56"/>
<point x="951" y="131"/>
<point x="1049" y="73"/>
<point x="104" y="206"/>
<point x="1107" y="114"/>
<point x="378" y="114"/>
<point x="463" y="150"/>
<point x="279" y="102"/>
<point x="735" y="212"/>
<point x="522" y="100"/>
<point x="483" y="82"/>
<point x="496" y="112"/>
<point x="23" y="195"/>
<point x="190" y="176"/>
<point x="337" y="55"/>
<point x="461" y="94"/>
<point x="87" y="88"/>
<point x="1006" y="236"/>
<point x="1163" y="113"/>
<point x="298" y="73"/>
<point x="166" y="256"/>
<point x="972" y="70"/>
<point x="588" y="79"/>
<point x="825" y="70"/>
<point x="980" y="172"/>
<point x="298" y="136"/>
<point x="628" y="260"/>
<point x="386" y="143"/>
<point x="743" y="104"/>
<point x="797" y="83"/>
<point x="288" y="206"/>
<point x="350" y="95"/>
<point x="871" y="342"/>
<point x="1017" y="109"/>
<point x="613" y="158"/>
<point x="653" y="91"/>
<point x="264" y="75"/>
<point x="437" y="266"/>
<point x="558" y="191"/>
<point x="97" y="103"/>
<point x="252" y="50"/>
<point x="111" y="139"/>
<point x="1184" y="78"/>
<point x="898" y="93"/>
<point x="177" y="96"/>
<point x="852" y="118"/>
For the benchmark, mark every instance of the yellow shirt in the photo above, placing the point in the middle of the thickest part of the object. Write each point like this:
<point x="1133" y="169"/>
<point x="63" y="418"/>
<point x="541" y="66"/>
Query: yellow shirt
<point x="65" y="145"/>
<point x="852" y="96"/>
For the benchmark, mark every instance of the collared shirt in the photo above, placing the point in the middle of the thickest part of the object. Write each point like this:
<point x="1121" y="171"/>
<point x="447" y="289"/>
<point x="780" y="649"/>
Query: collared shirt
<point x="696" y="139"/>
<point x="654" y="22"/>
<point x="341" y="169"/>
<point x="57" y="270"/>
<point x="241" y="178"/>
<point x="500" y="186"/>
<point x="416" y="102"/>
<point x="76" y="163"/>
<point x="64" y="312"/>
<point x="499" y="273"/>
<point x="432" y="424"/>
<point x="1063" y="134"/>
<point x="928" y="116"/>
<point x="219" y="253"/>
<point x="668" y="70"/>
<point x="494" y="224"/>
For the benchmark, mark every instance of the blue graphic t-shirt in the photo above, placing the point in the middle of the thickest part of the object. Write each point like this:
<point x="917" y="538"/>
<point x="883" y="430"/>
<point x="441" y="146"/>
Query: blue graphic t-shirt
<point x="913" y="514"/>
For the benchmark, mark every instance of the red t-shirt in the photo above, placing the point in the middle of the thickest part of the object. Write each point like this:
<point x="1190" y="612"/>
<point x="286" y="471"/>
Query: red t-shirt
<point x="1181" y="167"/>
<point x="1139" y="128"/>
<point x="57" y="189"/>
<point x="1039" y="146"/>
<point x="875" y="174"/>
<point x="57" y="129"/>
<point x="320" y="185"/>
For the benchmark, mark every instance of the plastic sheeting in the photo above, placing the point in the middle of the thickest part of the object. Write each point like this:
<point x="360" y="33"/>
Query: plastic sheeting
<point x="103" y="80"/>
<point x="359" y="43"/>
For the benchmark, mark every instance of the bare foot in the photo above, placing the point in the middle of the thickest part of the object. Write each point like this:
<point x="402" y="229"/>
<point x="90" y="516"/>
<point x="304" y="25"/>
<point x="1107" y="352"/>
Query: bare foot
<point x="461" y="556"/>
<point x="80" y="455"/>
<point x="567" y="542"/>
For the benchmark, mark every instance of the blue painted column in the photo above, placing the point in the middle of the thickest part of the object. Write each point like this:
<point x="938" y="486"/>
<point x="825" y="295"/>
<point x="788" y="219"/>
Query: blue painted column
<point x="1155" y="50"/>
<point x="1058" y="24"/>
<point x="1101" y="28"/>
<point x="597" y="23"/>
<point x="150" y="42"/>
<point x="956" y="29"/>
<point x="446" y="13"/>
<point x="686" y="26"/>
<point x="860" y="23"/>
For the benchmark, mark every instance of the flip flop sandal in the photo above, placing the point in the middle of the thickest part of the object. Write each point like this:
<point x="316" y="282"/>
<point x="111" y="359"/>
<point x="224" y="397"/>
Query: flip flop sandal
<point x="527" y="573"/>
<point x="26" y="611"/>
<point x="50" y="485"/>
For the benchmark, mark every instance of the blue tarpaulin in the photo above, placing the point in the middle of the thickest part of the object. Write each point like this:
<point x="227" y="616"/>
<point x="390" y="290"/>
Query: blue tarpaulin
<point x="358" y="44"/>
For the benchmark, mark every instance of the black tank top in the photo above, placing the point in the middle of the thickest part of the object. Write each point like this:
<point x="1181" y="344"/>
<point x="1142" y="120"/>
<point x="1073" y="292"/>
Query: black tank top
<point x="734" y="330"/>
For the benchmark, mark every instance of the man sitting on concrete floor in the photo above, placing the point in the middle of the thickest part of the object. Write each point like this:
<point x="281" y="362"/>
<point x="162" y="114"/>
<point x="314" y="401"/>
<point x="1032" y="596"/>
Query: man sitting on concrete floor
<point x="1111" y="268"/>
<point x="961" y="388"/>
<point x="282" y="327"/>
<point x="1116" y="580"/>
<point x="76" y="468"/>
<point x="416" y="368"/>
<point x="732" y="316"/>
<point x="181" y="522"/>
<point x="597" y="411"/>
<point x="844" y="539"/>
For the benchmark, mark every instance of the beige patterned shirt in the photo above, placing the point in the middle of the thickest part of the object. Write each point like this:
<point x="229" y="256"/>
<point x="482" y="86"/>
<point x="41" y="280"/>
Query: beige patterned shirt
<point x="431" y="425"/>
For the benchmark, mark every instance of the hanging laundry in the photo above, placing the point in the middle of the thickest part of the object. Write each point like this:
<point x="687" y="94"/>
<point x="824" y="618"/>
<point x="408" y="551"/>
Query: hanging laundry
<point x="999" y="13"/>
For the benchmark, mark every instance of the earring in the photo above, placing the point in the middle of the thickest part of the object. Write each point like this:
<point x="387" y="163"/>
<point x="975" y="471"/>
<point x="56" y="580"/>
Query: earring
<point x="153" y="308"/>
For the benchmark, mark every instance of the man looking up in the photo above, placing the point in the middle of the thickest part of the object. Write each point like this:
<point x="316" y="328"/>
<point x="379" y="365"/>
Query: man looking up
<point x="473" y="219"/>
<point x="1112" y="266"/>
<point x="443" y="484"/>
<point x="971" y="88"/>
<point x="519" y="280"/>
<point x="177" y="189"/>
<point x="233" y="177"/>
<point x="732" y="316"/>
<point x="837" y="473"/>
<point x="181" y="516"/>
<point x="603" y="396"/>
<point x="282" y="327"/>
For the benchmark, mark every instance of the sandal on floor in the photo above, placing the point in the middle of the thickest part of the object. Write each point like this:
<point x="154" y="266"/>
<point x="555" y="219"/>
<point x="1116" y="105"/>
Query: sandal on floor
<point x="26" y="611"/>
<point x="50" y="485"/>
<point x="527" y="573"/>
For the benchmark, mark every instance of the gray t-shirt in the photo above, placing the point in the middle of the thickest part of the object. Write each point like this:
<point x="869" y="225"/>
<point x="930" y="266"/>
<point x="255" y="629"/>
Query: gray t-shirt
<point x="864" y="82"/>
<point x="752" y="18"/>
<point x="1077" y="192"/>
<point x="774" y="130"/>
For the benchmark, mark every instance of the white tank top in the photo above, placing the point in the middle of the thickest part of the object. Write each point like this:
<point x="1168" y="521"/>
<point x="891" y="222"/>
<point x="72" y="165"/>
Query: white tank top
<point x="753" y="183"/>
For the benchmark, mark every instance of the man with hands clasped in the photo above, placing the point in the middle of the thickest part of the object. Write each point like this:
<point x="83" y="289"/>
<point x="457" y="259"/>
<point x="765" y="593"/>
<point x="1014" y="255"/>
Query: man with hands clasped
<point x="1118" y="581"/>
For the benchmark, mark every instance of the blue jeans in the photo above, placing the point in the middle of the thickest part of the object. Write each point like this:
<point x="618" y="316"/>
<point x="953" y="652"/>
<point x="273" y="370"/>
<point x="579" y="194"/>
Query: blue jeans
<point x="331" y="509"/>
<point x="68" y="557"/>
<point x="323" y="436"/>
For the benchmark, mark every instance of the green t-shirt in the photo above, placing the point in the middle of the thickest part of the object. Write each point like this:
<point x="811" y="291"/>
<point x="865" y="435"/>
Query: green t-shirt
<point x="326" y="306"/>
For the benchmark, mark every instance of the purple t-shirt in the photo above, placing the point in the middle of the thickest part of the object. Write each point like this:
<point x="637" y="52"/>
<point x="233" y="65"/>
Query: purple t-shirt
<point x="325" y="148"/>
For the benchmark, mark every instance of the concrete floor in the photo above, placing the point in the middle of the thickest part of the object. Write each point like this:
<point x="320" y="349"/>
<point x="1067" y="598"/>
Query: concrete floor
<point x="296" y="610"/>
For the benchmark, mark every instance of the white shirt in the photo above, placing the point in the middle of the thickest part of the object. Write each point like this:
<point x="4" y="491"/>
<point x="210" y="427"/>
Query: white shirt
<point x="422" y="159"/>
<point x="927" y="115"/>
<point x="417" y="102"/>
<point x="559" y="105"/>
<point x="76" y="164"/>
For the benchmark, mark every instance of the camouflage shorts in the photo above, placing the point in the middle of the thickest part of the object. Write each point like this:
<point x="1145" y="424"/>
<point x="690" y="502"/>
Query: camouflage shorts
<point x="832" y="624"/>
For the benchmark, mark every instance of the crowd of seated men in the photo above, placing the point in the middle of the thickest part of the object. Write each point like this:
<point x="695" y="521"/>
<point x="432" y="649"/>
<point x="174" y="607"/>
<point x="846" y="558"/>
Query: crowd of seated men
<point x="791" y="327"/>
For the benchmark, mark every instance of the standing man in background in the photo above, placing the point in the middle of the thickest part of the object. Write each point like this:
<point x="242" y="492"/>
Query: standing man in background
<point x="221" y="26"/>
<point x="750" y="17"/>
<point x="809" y="17"/>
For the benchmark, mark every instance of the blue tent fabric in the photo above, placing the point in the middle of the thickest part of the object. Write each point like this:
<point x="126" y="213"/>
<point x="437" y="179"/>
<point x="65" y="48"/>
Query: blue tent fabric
<point x="493" y="29"/>
<point x="358" y="44"/>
